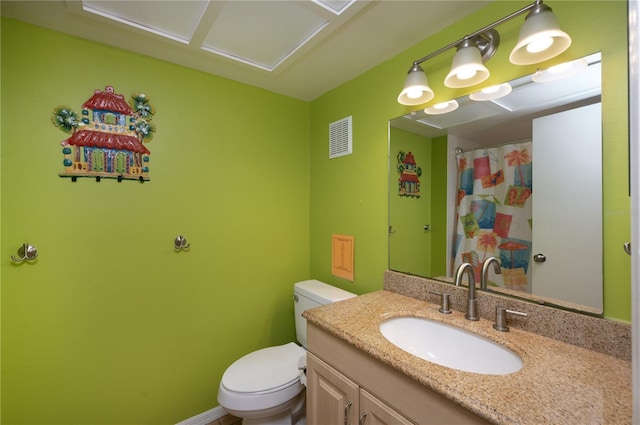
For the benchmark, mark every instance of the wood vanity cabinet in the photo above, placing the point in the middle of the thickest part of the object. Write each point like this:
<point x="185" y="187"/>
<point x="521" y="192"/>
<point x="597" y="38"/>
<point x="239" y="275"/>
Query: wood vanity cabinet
<point x="332" y="398"/>
<point x="346" y="386"/>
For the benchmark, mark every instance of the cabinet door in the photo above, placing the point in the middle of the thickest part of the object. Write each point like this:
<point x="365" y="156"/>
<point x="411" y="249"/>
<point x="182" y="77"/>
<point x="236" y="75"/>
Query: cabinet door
<point x="375" y="412"/>
<point x="332" y="398"/>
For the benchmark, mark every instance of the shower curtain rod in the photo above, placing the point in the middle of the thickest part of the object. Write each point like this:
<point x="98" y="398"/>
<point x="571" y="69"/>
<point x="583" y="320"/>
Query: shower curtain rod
<point x="461" y="151"/>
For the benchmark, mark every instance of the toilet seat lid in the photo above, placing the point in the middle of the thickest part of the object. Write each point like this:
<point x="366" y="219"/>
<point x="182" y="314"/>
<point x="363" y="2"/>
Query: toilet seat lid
<point x="264" y="370"/>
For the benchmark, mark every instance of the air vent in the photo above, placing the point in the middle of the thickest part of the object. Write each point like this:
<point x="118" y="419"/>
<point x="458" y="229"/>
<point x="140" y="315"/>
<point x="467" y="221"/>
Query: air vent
<point x="340" y="142"/>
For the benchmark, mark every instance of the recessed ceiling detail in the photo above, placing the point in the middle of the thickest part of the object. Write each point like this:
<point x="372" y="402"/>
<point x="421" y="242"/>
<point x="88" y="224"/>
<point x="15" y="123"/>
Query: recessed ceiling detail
<point x="263" y="34"/>
<point x="158" y="17"/>
<point x="336" y="7"/>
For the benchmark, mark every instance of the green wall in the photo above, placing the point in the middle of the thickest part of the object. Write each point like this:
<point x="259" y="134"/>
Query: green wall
<point x="349" y="194"/>
<point x="111" y="325"/>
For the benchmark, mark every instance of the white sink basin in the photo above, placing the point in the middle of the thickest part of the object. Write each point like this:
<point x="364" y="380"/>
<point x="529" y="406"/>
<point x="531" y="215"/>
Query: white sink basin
<point x="450" y="346"/>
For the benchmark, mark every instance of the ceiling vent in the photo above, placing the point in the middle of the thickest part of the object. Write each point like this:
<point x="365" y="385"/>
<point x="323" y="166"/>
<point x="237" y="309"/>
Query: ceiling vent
<point x="340" y="140"/>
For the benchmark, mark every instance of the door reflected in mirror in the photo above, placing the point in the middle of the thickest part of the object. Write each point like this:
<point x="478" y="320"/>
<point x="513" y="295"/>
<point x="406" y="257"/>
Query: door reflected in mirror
<point x="516" y="177"/>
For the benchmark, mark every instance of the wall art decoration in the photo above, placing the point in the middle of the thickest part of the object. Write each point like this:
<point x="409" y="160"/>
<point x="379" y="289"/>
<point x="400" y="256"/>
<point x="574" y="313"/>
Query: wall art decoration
<point x="107" y="140"/>
<point x="409" y="181"/>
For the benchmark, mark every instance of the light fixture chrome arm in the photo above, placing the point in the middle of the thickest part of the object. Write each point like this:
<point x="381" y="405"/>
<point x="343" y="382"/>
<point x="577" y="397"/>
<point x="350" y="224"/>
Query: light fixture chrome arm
<point x="478" y="32"/>
<point x="540" y="39"/>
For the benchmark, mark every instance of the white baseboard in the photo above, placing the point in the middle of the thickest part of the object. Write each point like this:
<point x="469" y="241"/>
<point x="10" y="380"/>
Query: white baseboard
<point x="205" y="417"/>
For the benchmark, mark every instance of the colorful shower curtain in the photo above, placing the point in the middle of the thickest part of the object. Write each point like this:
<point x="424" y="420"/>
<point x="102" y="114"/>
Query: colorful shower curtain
<point x="494" y="214"/>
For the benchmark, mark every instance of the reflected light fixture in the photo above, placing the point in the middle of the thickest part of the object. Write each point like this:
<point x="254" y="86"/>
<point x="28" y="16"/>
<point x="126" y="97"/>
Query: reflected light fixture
<point x="540" y="39"/>
<point x="560" y="71"/>
<point x="442" y="108"/>
<point x="491" y="92"/>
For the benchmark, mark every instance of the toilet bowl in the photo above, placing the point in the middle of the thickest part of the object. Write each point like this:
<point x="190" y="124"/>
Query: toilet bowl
<point x="265" y="387"/>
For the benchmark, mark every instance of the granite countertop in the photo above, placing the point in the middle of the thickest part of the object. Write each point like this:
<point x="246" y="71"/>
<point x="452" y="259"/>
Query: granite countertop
<point x="559" y="383"/>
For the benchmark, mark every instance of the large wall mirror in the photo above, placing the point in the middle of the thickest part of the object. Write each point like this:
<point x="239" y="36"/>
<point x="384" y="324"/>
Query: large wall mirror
<point x="517" y="177"/>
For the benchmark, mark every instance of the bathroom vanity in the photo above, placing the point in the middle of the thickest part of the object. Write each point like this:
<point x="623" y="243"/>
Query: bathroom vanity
<point x="354" y="371"/>
<point x="345" y="392"/>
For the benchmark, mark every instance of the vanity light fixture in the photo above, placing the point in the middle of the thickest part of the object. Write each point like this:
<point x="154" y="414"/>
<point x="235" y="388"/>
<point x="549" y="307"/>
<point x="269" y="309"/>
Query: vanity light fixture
<point x="467" y="68"/>
<point x="416" y="89"/>
<point x="540" y="39"/>
<point x="491" y="92"/>
<point x="442" y="108"/>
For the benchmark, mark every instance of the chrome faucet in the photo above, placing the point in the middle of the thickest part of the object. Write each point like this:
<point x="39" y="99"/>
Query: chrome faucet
<point x="485" y="270"/>
<point x="472" y="310"/>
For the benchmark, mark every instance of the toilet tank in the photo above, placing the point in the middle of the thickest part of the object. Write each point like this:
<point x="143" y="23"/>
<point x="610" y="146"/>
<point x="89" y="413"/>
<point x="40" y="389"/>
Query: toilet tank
<point x="309" y="294"/>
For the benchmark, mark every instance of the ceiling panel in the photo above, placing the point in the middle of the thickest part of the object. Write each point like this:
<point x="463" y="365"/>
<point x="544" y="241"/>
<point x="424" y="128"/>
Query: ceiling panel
<point x="261" y="33"/>
<point x="175" y="20"/>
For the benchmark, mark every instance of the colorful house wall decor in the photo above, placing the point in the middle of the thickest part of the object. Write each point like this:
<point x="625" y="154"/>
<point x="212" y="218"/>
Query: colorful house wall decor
<point x="409" y="181"/>
<point x="108" y="140"/>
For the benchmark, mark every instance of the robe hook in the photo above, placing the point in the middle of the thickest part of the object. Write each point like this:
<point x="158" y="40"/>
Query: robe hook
<point x="25" y="253"/>
<point x="181" y="243"/>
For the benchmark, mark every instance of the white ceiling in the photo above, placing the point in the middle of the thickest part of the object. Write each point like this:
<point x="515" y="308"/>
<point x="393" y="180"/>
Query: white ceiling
<point x="299" y="48"/>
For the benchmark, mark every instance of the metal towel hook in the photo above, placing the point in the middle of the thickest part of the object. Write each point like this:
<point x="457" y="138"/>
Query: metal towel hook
<point x="181" y="243"/>
<point x="25" y="252"/>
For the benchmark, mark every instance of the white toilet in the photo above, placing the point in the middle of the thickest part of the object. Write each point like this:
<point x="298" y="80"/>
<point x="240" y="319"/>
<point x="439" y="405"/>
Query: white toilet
<point x="264" y="387"/>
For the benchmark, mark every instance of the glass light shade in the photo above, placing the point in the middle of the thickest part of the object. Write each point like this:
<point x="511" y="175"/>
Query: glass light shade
<point x="492" y="92"/>
<point x="467" y="68"/>
<point x="563" y="70"/>
<point x="540" y="38"/>
<point x="416" y="89"/>
<point x="442" y="108"/>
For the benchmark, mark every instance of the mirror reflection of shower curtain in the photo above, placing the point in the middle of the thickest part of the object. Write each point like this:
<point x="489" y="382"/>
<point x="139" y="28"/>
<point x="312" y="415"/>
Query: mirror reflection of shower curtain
<point x="494" y="213"/>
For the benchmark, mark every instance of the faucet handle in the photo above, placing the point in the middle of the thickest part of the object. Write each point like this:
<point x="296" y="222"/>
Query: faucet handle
<point x="501" y="318"/>
<point x="444" y="302"/>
